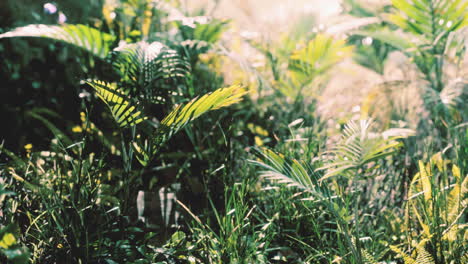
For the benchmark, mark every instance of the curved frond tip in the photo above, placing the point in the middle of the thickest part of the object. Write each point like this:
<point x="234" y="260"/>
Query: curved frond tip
<point x="90" y="39"/>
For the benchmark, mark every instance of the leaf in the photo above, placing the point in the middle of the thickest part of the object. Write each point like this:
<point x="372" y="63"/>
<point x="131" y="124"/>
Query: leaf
<point x="40" y="114"/>
<point x="429" y="18"/>
<point x="90" y="39"/>
<point x="359" y="146"/>
<point x="424" y="175"/>
<point x="406" y="258"/>
<point x="319" y="55"/>
<point x="399" y="40"/>
<point x="424" y="257"/>
<point x="184" y="114"/>
<point x="143" y="63"/>
<point x="124" y="110"/>
<point x="203" y="28"/>
<point x="281" y="170"/>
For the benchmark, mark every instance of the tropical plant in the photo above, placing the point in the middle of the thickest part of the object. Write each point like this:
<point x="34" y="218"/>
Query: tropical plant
<point x="140" y="65"/>
<point x="359" y="147"/>
<point x="437" y="201"/>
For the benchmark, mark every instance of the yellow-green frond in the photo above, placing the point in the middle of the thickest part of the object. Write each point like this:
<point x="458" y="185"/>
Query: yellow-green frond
<point x="123" y="109"/>
<point x="90" y="39"/>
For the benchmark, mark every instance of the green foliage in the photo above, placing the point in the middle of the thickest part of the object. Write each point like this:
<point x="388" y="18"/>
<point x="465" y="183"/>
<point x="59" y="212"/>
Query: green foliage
<point x="142" y="64"/>
<point x="174" y="169"/>
<point x="307" y="64"/>
<point x="281" y="170"/>
<point x="433" y="19"/>
<point x="91" y="40"/>
<point x="359" y="146"/>
<point x="123" y="108"/>
<point x="182" y="115"/>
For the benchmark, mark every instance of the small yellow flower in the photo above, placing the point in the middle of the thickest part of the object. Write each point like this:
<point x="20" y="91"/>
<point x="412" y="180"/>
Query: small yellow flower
<point x="82" y="117"/>
<point x="258" y="141"/>
<point x="77" y="129"/>
<point x="7" y="240"/>
<point x="28" y="147"/>
<point x="59" y="246"/>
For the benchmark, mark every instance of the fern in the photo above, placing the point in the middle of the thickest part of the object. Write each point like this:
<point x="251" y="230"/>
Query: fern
<point x="359" y="146"/>
<point x="90" y="39"/>
<point x="124" y="110"/>
<point x="422" y="257"/>
<point x="406" y="257"/>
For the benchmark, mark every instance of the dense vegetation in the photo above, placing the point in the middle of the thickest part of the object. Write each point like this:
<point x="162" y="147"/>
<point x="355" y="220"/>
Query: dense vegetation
<point x="138" y="131"/>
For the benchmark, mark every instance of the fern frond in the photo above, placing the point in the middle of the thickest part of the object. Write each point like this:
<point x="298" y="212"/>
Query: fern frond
<point x="319" y="55"/>
<point x="90" y="39"/>
<point x="367" y="257"/>
<point x="143" y="63"/>
<point x="359" y="146"/>
<point x="124" y="110"/>
<point x="281" y="170"/>
<point x="430" y="17"/>
<point x="185" y="113"/>
<point x="424" y="257"/>
<point x="406" y="257"/>
<point x="203" y="28"/>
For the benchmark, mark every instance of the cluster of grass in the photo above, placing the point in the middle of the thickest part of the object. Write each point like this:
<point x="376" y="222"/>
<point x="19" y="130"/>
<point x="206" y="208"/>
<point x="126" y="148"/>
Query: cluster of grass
<point x="184" y="148"/>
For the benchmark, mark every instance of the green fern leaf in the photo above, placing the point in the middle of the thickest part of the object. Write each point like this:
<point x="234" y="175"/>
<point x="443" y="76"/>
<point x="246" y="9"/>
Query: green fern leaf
<point x="406" y="257"/>
<point x="279" y="169"/>
<point x="359" y="146"/>
<point x="367" y="257"/>
<point x="143" y="63"/>
<point x="424" y="257"/>
<point x="90" y="39"/>
<point x="123" y="109"/>
<point x="319" y="55"/>
<point x="430" y="17"/>
<point x="184" y="114"/>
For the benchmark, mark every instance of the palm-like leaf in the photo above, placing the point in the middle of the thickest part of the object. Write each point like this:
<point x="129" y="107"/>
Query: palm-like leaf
<point x="203" y="28"/>
<point x="185" y="113"/>
<point x="423" y="257"/>
<point x="359" y="146"/>
<point x="431" y="18"/>
<point x="279" y="169"/>
<point x="317" y="56"/>
<point x="90" y="39"/>
<point x="124" y="110"/>
<point x="313" y="60"/>
<point x="143" y="63"/>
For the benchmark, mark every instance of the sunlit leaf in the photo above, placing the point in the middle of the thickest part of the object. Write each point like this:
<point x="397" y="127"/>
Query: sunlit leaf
<point x="125" y="111"/>
<point x="90" y="39"/>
